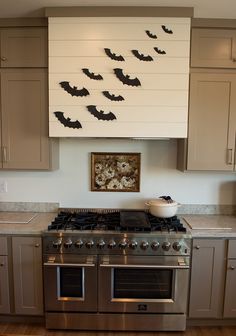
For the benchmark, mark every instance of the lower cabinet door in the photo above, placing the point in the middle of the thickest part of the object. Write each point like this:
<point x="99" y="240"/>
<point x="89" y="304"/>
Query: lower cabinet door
<point x="27" y="274"/>
<point x="230" y="292"/>
<point x="4" y="286"/>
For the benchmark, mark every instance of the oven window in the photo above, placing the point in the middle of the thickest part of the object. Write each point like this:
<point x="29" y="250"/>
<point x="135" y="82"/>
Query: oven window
<point x="71" y="282"/>
<point x="142" y="283"/>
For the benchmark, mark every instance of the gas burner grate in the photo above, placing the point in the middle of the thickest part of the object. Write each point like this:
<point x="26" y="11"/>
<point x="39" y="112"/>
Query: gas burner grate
<point x="171" y="224"/>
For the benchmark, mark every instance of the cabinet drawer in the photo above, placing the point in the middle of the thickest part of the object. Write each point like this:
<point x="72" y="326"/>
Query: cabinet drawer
<point x="232" y="248"/>
<point x="3" y="246"/>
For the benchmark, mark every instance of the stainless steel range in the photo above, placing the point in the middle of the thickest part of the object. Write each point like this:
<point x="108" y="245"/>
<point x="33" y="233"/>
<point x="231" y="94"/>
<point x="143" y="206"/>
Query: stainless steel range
<point x="115" y="270"/>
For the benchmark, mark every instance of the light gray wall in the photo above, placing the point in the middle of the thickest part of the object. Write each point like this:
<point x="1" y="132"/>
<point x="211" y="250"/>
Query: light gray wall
<point x="70" y="185"/>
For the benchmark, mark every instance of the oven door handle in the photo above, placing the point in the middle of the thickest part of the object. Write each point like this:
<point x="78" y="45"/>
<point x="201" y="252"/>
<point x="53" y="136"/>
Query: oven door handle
<point x="68" y="264"/>
<point x="181" y="266"/>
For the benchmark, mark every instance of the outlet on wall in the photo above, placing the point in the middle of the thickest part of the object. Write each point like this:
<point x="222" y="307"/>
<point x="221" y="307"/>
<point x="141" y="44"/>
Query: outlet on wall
<point x="3" y="186"/>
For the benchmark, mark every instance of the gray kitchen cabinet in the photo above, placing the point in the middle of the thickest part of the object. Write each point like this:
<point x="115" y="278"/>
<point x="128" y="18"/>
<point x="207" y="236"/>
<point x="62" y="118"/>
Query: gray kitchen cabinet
<point x="4" y="278"/>
<point x="230" y="292"/>
<point x="213" y="48"/>
<point x="27" y="275"/>
<point x="23" y="47"/>
<point x="207" y="278"/>
<point x="24" y="120"/>
<point x="212" y="123"/>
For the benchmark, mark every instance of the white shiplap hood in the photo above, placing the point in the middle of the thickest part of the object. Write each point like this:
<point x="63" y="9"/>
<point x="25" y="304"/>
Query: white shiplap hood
<point x="118" y="77"/>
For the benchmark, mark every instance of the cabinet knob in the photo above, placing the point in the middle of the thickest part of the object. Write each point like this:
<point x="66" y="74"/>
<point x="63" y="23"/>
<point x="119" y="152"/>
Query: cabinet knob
<point x="197" y="247"/>
<point x="232" y="267"/>
<point x="3" y="59"/>
<point x="2" y="264"/>
<point x="36" y="245"/>
<point x="234" y="59"/>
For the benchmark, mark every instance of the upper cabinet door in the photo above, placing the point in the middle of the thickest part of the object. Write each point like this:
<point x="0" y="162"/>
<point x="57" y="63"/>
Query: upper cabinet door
<point x="212" y="122"/>
<point x="23" y="47"/>
<point x="213" y="48"/>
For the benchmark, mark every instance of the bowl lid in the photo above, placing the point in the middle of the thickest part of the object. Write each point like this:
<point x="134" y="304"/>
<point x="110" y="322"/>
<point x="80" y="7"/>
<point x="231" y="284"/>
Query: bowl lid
<point x="163" y="202"/>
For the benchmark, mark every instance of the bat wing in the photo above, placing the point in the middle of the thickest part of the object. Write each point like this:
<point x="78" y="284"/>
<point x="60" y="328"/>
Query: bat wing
<point x="100" y="115"/>
<point x="73" y="91"/>
<point x="67" y="121"/>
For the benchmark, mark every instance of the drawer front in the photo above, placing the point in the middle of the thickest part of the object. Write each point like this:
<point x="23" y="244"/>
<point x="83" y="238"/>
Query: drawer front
<point x="232" y="248"/>
<point x="3" y="246"/>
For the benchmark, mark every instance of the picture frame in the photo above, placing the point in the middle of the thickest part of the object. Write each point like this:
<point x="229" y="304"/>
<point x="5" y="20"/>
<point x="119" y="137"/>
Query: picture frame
<point x="115" y="172"/>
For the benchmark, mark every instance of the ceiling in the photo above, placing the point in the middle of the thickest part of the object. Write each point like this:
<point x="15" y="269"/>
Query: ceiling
<point x="35" y="8"/>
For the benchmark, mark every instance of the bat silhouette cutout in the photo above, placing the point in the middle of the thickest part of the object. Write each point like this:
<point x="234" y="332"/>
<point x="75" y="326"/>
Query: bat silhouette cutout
<point x="166" y="30"/>
<point x="125" y="79"/>
<point x="92" y="75"/>
<point x="149" y="34"/>
<point x="100" y="115"/>
<point x="159" y="51"/>
<point x="142" y="57"/>
<point x="73" y="90"/>
<point x="113" y="56"/>
<point x="67" y="121"/>
<point x="110" y="96"/>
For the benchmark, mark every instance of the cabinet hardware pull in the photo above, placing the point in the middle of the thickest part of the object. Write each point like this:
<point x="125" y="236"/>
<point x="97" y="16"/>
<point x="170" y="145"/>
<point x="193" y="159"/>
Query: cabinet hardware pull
<point x="232" y="267"/>
<point x="3" y="59"/>
<point x="4" y="153"/>
<point x="2" y="264"/>
<point x="234" y="59"/>
<point x="36" y="245"/>
<point x="229" y="156"/>
<point x="197" y="247"/>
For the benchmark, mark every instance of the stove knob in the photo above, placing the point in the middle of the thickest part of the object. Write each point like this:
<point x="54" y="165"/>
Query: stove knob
<point x="101" y="244"/>
<point x="111" y="244"/>
<point x="155" y="245"/>
<point x="123" y="244"/>
<point x="68" y="243"/>
<point x="166" y="246"/>
<point x="89" y="244"/>
<point x="176" y="246"/>
<point x="79" y="243"/>
<point x="57" y="243"/>
<point x="133" y="244"/>
<point x="144" y="245"/>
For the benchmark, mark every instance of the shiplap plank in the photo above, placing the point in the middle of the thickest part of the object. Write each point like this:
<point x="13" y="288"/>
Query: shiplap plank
<point x="149" y="81"/>
<point x="131" y="65"/>
<point x="117" y="31"/>
<point x="134" y="129"/>
<point x="168" y="114"/>
<point x="121" y="19"/>
<point x="139" y="97"/>
<point x="88" y="48"/>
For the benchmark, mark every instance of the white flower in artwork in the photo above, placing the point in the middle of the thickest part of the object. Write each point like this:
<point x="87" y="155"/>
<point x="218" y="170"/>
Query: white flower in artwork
<point x="114" y="184"/>
<point x="123" y="167"/>
<point x="100" y="179"/>
<point x="127" y="182"/>
<point x="98" y="168"/>
<point x="109" y="172"/>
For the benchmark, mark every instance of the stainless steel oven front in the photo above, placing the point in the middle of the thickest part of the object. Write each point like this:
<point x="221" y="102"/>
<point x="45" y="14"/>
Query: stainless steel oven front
<point x="141" y="284"/>
<point x="70" y="283"/>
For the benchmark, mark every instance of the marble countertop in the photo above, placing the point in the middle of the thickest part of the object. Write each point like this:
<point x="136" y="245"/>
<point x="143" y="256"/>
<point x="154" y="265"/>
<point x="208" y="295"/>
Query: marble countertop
<point x="35" y="226"/>
<point x="211" y="226"/>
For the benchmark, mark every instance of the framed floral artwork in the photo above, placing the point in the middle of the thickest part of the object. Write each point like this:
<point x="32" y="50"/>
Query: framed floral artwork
<point x="115" y="172"/>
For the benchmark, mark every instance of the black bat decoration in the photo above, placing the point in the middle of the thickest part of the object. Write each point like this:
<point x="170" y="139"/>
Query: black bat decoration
<point x="67" y="121"/>
<point x="159" y="51"/>
<point x="112" y="96"/>
<point x="166" y="30"/>
<point x="149" y="34"/>
<point x="73" y="90"/>
<point x="142" y="57"/>
<point x="113" y="56"/>
<point x="92" y="75"/>
<point x="100" y="115"/>
<point x="125" y="79"/>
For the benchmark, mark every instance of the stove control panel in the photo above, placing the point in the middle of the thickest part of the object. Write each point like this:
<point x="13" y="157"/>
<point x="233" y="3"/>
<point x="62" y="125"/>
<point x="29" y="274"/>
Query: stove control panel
<point x="116" y="244"/>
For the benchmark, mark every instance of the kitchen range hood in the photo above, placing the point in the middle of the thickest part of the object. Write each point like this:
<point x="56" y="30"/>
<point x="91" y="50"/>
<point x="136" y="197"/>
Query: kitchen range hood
<point x="118" y="77"/>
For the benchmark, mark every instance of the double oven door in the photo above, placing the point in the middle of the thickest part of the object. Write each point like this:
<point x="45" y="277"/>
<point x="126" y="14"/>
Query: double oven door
<point x="143" y="284"/>
<point x="114" y="283"/>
